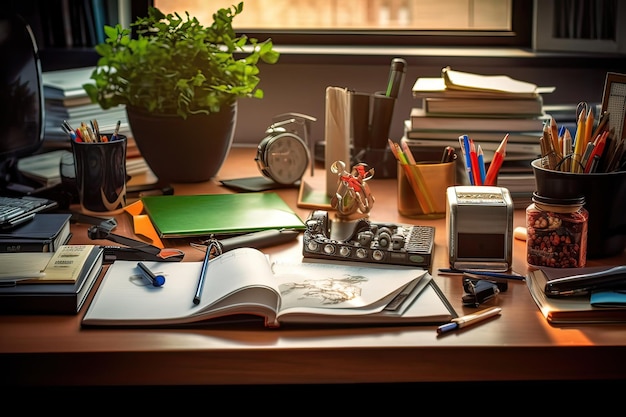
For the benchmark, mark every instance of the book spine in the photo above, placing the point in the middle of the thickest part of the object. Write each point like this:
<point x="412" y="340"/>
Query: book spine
<point x="10" y="246"/>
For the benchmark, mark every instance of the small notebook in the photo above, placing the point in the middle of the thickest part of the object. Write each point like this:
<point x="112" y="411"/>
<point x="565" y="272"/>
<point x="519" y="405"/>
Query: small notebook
<point x="220" y="214"/>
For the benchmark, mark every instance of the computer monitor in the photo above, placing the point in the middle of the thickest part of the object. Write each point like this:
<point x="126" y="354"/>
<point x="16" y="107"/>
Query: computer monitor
<point x="21" y="95"/>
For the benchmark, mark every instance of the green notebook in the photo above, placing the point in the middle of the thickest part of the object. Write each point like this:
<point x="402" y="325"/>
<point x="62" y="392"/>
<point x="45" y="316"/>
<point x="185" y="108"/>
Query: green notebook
<point x="206" y="214"/>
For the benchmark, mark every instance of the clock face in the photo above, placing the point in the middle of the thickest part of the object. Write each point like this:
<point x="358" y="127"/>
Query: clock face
<point x="287" y="158"/>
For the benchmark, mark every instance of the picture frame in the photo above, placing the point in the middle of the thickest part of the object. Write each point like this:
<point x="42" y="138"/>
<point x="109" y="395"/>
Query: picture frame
<point x="544" y="28"/>
<point x="614" y="102"/>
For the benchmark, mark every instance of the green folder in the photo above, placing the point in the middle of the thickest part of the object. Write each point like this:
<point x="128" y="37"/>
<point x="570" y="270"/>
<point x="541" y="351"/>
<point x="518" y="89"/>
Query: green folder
<point x="206" y="214"/>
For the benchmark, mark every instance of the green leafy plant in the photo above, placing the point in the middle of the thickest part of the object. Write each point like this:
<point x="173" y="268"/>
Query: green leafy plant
<point x="178" y="66"/>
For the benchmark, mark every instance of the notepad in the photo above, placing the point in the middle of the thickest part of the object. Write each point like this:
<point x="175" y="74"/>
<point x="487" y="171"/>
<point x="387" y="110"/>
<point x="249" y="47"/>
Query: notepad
<point x="206" y="214"/>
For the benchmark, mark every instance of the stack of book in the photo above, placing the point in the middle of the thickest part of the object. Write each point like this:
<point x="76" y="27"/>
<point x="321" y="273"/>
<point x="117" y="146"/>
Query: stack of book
<point x="66" y="99"/>
<point x="485" y="108"/>
<point x="55" y="282"/>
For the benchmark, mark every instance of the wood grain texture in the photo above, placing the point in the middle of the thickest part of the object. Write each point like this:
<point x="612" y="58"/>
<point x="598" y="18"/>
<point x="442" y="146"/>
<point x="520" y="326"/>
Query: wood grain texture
<point x="519" y="345"/>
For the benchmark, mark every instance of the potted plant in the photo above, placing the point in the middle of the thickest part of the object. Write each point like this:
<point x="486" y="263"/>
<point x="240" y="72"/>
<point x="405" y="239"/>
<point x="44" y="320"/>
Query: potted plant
<point x="174" y="73"/>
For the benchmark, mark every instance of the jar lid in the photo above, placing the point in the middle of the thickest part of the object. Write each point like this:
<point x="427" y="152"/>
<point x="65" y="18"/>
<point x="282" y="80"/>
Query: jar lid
<point x="578" y="201"/>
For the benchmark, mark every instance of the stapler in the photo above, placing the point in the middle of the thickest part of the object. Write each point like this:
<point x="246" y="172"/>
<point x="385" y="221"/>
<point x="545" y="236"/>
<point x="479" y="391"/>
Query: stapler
<point x="134" y="250"/>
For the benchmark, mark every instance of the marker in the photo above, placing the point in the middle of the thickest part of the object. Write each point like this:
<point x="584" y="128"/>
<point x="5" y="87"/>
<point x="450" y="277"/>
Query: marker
<point x="396" y="77"/>
<point x="461" y="322"/>
<point x="156" y="280"/>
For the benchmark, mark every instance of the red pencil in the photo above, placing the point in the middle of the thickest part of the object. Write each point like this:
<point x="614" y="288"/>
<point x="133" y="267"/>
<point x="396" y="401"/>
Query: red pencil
<point x="474" y="162"/>
<point x="496" y="162"/>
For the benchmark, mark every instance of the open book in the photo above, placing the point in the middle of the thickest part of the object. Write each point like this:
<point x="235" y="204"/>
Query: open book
<point x="244" y="282"/>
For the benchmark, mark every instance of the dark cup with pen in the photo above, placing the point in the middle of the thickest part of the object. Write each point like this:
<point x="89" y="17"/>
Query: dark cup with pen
<point x="605" y="200"/>
<point x="100" y="168"/>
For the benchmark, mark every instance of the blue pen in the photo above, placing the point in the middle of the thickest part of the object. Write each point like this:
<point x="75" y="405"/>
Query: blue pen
<point x="156" y="280"/>
<point x="205" y="268"/>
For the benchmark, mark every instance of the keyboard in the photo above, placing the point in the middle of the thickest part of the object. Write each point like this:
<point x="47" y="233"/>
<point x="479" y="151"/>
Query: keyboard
<point x="17" y="210"/>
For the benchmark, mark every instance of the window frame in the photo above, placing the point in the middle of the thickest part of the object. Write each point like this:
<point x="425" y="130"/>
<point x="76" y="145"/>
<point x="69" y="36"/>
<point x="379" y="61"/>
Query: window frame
<point x="519" y="36"/>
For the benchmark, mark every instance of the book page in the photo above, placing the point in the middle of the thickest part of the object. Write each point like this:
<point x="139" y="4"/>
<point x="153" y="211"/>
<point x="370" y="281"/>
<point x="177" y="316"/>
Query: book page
<point x="499" y="83"/>
<point x="23" y="265"/>
<point x="237" y="282"/>
<point x="339" y="287"/>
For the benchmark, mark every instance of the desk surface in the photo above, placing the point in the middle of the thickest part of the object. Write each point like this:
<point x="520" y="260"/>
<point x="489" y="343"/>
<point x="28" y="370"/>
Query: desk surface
<point x="519" y="345"/>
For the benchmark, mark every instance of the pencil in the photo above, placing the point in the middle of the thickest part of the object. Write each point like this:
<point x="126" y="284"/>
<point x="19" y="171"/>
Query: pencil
<point x="481" y="164"/>
<point x="567" y="151"/>
<point x="554" y="133"/>
<point x="496" y="162"/>
<point x="415" y="178"/>
<point x="579" y="139"/>
<point x="474" y="162"/>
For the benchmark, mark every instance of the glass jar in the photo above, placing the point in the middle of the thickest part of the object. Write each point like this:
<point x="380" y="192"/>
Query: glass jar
<point x="556" y="232"/>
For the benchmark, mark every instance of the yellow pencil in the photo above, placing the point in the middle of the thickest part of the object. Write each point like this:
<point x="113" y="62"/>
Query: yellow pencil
<point x="579" y="139"/>
<point x="414" y="175"/>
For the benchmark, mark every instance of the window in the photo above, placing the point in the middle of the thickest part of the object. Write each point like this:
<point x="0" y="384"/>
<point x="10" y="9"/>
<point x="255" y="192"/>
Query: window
<point x="375" y="22"/>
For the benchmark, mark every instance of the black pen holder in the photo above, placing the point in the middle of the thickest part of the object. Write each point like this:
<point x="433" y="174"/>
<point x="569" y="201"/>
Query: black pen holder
<point x="371" y="120"/>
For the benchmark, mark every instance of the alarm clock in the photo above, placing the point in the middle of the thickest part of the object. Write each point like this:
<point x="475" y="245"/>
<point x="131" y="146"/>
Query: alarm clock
<point x="282" y="155"/>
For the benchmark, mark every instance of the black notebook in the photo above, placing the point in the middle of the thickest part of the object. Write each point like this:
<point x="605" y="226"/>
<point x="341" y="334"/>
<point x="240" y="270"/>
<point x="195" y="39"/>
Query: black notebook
<point x="46" y="232"/>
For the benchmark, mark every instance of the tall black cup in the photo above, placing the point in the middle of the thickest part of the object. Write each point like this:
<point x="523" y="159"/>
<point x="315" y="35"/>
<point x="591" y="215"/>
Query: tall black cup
<point x="101" y="175"/>
<point x="605" y="200"/>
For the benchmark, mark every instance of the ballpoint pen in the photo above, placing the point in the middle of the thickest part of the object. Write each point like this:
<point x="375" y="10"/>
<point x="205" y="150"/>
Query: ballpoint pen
<point x="461" y="322"/>
<point x="451" y="271"/>
<point x="205" y="267"/>
<point x="156" y="280"/>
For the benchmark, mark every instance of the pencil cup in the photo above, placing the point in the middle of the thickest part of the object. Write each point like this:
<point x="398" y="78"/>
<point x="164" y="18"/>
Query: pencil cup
<point x="605" y="200"/>
<point x="422" y="188"/>
<point x="101" y="175"/>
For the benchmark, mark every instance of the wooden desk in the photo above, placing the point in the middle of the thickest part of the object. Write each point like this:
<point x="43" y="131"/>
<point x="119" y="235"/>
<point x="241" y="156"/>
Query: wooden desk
<point x="517" y="346"/>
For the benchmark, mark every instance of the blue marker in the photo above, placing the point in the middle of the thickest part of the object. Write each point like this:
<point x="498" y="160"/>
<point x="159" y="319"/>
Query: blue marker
<point x="156" y="280"/>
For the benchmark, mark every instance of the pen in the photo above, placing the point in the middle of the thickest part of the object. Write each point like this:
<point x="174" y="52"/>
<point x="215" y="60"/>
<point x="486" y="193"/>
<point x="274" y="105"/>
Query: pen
<point x="117" y="130"/>
<point x="494" y="167"/>
<point x="452" y="271"/>
<point x="203" y="272"/>
<point x="259" y="239"/>
<point x="461" y="322"/>
<point x="396" y="77"/>
<point x="448" y="155"/>
<point x="156" y="280"/>
<point x="465" y="150"/>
